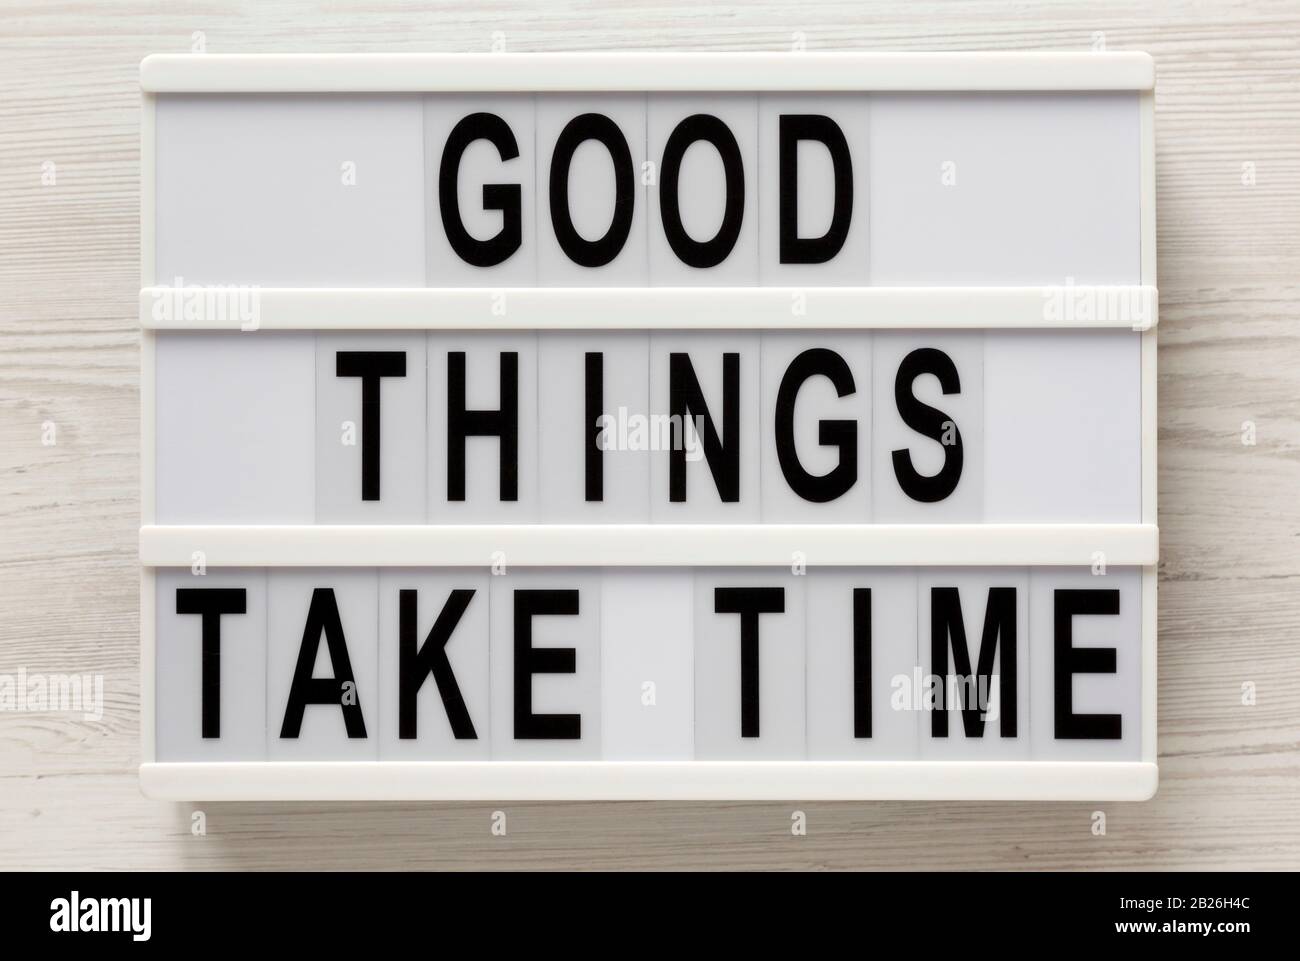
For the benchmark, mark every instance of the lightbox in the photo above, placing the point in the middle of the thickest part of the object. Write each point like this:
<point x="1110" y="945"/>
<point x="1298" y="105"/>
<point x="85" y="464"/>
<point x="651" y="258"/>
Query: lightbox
<point x="648" y="426"/>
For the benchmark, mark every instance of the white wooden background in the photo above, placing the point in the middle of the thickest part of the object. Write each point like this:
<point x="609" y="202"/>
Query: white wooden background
<point x="1228" y="94"/>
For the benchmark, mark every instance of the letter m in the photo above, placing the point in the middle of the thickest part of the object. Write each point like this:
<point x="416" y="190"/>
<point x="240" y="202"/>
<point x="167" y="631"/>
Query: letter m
<point x="117" y="914"/>
<point x="999" y="635"/>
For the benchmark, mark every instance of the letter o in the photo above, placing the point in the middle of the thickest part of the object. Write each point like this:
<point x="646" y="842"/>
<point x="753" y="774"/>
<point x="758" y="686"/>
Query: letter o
<point x="599" y="252"/>
<point x="692" y="252"/>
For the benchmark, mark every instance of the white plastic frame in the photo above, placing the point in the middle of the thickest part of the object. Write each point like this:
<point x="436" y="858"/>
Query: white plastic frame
<point x="902" y="545"/>
<point x="665" y="308"/>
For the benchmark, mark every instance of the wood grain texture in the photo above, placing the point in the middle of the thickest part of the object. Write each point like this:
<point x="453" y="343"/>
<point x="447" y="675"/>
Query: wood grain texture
<point x="1228" y="93"/>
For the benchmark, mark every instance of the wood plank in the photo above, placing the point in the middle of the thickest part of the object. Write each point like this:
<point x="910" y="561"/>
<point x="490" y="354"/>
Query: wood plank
<point x="1228" y="93"/>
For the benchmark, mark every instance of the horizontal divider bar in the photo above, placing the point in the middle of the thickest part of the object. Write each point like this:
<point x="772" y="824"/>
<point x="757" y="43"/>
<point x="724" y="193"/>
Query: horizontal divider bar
<point x="637" y="72"/>
<point x="649" y="780"/>
<point x="1069" y="306"/>
<point x="651" y="545"/>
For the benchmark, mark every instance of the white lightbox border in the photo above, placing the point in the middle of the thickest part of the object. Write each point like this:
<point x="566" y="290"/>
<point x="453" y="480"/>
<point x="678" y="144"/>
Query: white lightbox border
<point x="655" y="780"/>
<point x="653" y="308"/>
<point x="624" y="71"/>
<point x="615" y="72"/>
<point x="651" y="545"/>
